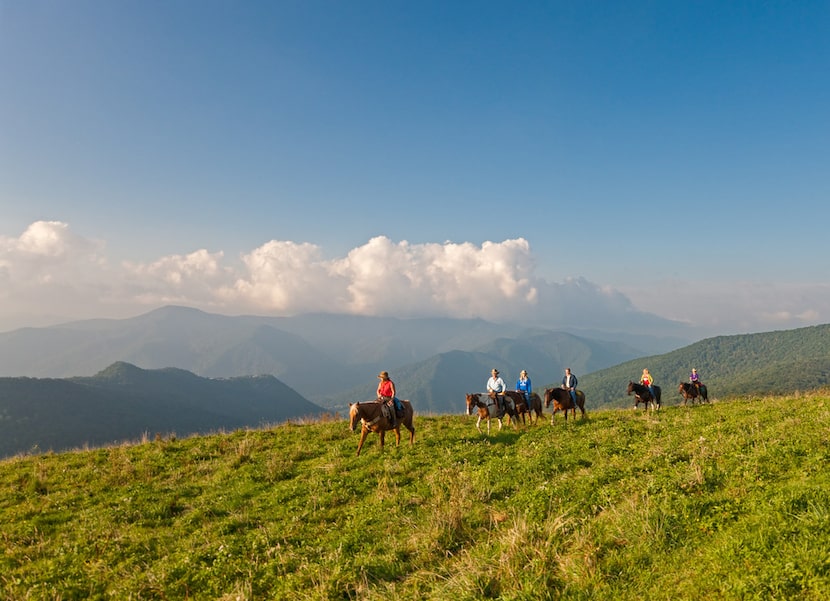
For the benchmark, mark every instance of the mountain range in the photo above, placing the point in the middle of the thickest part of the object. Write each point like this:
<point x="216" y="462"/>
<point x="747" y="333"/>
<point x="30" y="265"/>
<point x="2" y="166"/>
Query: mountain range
<point x="185" y="371"/>
<point x="328" y="359"/>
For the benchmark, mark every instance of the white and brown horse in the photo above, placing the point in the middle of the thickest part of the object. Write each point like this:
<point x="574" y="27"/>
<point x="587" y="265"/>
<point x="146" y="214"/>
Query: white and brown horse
<point x="485" y="404"/>
<point x="372" y="418"/>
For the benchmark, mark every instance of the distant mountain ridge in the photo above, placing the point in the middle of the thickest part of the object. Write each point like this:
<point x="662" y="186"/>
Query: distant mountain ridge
<point x="124" y="402"/>
<point x="321" y="356"/>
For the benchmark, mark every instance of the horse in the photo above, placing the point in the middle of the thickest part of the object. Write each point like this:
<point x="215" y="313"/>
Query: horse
<point x="374" y="419"/>
<point x="691" y="391"/>
<point x="562" y="401"/>
<point x="643" y="395"/>
<point x="529" y="407"/>
<point x="487" y="409"/>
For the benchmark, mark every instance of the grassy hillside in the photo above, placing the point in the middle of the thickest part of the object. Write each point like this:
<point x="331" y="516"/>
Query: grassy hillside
<point x="767" y="363"/>
<point x="722" y="501"/>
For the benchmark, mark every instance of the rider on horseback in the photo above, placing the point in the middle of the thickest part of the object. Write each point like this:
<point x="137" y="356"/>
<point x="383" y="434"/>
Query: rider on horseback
<point x="695" y="379"/>
<point x="523" y="385"/>
<point x="648" y="380"/>
<point x="386" y="394"/>
<point x="496" y="388"/>
<point x="569" y="384"/>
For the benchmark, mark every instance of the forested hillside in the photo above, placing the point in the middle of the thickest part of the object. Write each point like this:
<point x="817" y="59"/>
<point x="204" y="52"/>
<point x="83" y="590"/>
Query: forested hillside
<point x="124" y="402"/>
<point x="766" y="363"/>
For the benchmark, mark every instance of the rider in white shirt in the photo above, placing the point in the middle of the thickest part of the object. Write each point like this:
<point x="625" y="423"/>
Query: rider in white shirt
<point x="496" y="385"/>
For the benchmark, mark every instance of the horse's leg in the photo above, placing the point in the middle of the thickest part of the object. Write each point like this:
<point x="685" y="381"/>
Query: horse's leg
<point x="364" y="432"/>
<point x="410" y="425"/>
<point x="382" y="438"/>
<point x="478" y="424"/>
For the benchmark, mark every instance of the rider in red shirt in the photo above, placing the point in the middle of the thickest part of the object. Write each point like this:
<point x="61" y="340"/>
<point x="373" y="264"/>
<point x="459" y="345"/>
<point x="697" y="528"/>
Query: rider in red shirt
<point x="387" y="394"/>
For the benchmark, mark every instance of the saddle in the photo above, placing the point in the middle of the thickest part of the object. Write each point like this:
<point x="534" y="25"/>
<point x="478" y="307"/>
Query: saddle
<point x="389" y="405"/>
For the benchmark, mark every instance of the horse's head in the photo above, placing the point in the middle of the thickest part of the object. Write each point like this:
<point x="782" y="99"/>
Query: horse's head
<point x="548" y="397"/>
<point x="472" y="401"/>
<point x="630" y="387"/>
<point x="353" y="415"/>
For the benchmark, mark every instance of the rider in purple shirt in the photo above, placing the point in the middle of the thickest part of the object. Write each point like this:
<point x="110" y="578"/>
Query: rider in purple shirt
<point x="694" y="378"/>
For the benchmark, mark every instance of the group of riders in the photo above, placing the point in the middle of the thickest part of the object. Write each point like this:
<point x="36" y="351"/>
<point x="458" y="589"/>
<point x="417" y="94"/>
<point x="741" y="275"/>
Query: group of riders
<point x="496" y="388"/>
<point x="647" y="380"/>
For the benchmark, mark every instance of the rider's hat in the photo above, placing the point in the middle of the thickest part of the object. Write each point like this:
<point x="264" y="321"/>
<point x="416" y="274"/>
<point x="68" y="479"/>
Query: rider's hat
<point x="495" y="371"/>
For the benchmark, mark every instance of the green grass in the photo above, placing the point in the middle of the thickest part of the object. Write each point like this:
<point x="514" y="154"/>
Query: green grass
<point x="726" y="501"/>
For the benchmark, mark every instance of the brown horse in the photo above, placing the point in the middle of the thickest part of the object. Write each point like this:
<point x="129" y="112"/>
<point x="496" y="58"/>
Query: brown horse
<point x="525" y="407"/>
<point x="562" y="401"/>
<point x="374" y="419"/>
<point x="485" y="405"/>
<point x="691" y="392"/>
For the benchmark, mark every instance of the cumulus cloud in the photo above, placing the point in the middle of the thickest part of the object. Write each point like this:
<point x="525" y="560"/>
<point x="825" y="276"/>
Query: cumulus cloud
<point x="50" y="272"/>
<point x="48" y="257"/>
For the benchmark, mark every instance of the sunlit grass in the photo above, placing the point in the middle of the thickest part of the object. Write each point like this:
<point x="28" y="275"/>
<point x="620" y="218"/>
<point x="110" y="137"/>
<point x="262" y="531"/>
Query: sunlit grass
<point x="727" y="501"/>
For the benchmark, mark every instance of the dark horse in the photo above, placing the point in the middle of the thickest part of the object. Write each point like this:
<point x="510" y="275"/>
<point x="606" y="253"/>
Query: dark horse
<point x="374" y="419"/>
<point x="487" y="408"/>
<point x="528" y="407"/>
<point x="562" y="401"/>
<point x="643" y="395"/>
<point x="691" y="392"/>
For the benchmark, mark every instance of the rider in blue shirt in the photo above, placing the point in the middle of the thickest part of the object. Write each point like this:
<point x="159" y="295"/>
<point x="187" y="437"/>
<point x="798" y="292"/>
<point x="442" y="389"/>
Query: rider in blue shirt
<point x="523" y="385"/>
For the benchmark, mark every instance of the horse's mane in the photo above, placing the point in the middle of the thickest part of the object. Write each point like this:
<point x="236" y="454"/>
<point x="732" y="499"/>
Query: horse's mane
<point x="370" y="407"/>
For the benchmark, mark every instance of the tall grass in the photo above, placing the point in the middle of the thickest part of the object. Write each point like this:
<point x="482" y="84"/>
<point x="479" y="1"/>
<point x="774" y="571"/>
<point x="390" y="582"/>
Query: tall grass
<point x="726" y="501"/>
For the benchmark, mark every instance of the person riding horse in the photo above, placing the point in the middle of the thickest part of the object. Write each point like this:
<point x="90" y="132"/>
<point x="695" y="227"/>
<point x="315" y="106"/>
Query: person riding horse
<point x="647" y="380"/>
<point x="569" y="383"/>
<point x="387" y="395"/>
<point x="694" y="378"/>
<point x="524" y="386"/>
<point x="496" y="389"/>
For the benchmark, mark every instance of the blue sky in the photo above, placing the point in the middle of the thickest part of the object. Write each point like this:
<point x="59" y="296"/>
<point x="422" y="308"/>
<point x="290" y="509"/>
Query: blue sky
<point x="586" y="160"/>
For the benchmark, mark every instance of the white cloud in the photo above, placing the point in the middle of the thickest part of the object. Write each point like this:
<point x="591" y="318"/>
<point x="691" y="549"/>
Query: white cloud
<point x="45" y="259"/>
<point x="717" y="307"/>
<point x="48" y="273"/>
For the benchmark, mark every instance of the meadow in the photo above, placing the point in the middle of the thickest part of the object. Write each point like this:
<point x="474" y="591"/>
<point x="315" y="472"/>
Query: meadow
<point x="723" y="501"/>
